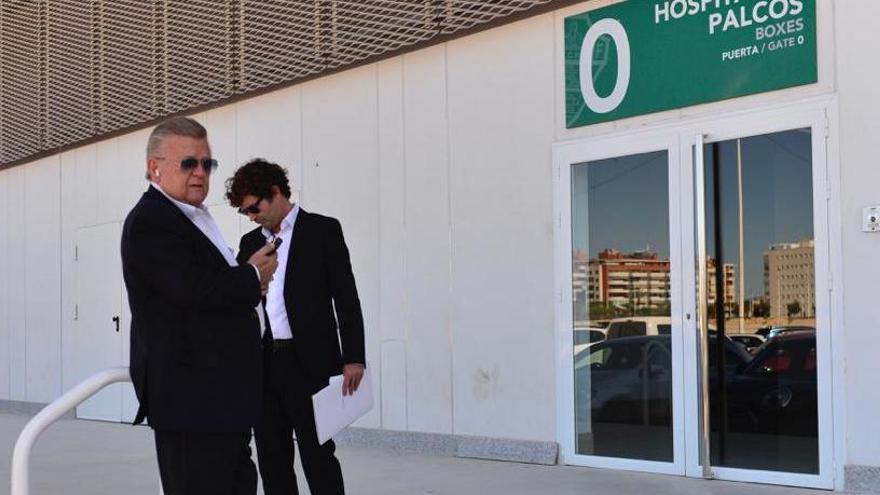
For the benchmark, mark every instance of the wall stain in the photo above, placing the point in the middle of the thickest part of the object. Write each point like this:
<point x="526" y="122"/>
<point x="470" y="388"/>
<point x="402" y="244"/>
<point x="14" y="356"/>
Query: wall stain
<point x="486" y="383"/>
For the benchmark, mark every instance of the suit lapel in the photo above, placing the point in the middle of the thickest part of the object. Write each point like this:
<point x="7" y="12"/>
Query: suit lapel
<point x="254" y="241"/>
<point x="297" y="238"/>
<point x="188" y="225"/>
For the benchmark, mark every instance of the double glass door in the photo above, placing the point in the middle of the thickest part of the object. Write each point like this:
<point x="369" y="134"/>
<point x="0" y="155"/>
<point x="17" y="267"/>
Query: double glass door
<point x="689" y="290"/>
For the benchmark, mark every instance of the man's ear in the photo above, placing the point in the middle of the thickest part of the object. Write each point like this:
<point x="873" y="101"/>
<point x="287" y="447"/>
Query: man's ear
<point x="152" y="170"/>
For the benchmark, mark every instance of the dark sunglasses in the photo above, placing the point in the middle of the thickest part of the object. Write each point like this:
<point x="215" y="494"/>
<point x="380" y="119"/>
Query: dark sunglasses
<point x="190" y="163"/>
<point x="252" y="209"/>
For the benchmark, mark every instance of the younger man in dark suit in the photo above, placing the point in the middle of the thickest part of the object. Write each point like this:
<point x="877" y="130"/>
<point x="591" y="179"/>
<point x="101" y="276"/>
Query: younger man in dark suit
<point x="302" y="347"/>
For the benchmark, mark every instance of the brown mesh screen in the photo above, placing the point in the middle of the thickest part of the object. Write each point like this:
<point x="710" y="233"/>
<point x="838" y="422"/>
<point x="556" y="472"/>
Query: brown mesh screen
<point x="198" y="51"/>
<point x="130" y="82"/>
<point x="21" y="57"/>
<point x="72" y="70"/>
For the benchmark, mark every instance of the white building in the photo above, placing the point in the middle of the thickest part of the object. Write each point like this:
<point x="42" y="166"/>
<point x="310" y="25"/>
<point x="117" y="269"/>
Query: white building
<point x="790" y="278"/>
<point x="451" y="164"/>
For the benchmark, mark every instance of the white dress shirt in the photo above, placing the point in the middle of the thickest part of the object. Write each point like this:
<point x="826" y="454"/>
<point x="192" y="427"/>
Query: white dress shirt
<point x="202" y="219"/>
<point x="275" y="306"/>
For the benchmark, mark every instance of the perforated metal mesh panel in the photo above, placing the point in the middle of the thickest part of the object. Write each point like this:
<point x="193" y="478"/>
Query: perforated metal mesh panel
<point x="20" y="74"/>
<point x="72" y="70"/>
<point x="278" y="42"/>
<point x="198" y="51"/>
<point x="70" y="112"/>
<point x="129" y="79"/>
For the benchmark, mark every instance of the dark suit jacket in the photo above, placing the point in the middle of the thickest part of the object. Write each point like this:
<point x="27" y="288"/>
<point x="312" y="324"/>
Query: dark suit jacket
<point x="318" y="277"/>
<point x="196" y="359"/>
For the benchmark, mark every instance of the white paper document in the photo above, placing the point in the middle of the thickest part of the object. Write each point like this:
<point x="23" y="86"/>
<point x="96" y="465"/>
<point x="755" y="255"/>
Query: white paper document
<point x="333" y="411"/>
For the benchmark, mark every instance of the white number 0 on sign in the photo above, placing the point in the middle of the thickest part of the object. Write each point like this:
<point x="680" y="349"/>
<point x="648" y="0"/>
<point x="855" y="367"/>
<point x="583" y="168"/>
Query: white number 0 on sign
<point x="616" y="31"/>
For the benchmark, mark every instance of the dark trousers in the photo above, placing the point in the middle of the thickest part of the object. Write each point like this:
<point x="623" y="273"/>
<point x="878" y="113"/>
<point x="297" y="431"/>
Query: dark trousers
<point x="205" y="463"/>
<point x="287" y="407"/>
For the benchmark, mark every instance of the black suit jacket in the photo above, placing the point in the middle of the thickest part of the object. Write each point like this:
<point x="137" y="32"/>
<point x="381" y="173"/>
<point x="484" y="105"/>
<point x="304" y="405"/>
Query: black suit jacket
<point x="196" y="359"/>
<point x="318" y="277"/>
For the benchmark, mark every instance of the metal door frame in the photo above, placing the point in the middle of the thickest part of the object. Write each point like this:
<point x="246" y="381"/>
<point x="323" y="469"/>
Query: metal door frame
<point x="745" y="125"/>
<point x="820" y="114"/>
<point x="565" y="156"/>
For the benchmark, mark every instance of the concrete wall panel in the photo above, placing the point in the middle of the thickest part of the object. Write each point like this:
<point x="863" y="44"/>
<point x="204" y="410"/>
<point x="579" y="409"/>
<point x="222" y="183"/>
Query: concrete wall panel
<point x="17" y="283"/>
<point x="132" y="165"/>
<point x="502" y="278"/>
<point x="341" y="179"/>
<point x="69" y="216"/>
<point x="5" y="288"/>
<point x="85" y="185"/>
<point x="222" y="128"/>
<point x="110" y="175"/>
<point x="270" y="127"/>
<point x="42" y="241"/>
<point x="392" y="200"/>
<point x="394" y="379"/>
<point x="429" y="358"/>
<point x="859" y="128"/>
<point x="392" y="250"/>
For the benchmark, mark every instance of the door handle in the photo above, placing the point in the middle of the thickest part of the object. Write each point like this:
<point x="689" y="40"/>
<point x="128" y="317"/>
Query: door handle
<point x="116" y="320"/>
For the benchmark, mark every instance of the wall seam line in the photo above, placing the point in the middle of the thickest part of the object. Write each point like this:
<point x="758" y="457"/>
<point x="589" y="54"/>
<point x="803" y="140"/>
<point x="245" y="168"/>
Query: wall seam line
<point x="451" y="238"/>
<point x="379" y="243"/>
<point x="406" y="302"/>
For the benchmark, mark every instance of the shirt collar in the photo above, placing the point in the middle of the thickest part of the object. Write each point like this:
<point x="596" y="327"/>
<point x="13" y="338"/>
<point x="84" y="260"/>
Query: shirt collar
<point x="287" y="222"/>
<point x="189" y="210"/>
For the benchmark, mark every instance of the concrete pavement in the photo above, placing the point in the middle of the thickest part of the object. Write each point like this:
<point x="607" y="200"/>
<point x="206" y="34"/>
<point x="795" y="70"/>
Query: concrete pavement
<point x="78" y="457"/>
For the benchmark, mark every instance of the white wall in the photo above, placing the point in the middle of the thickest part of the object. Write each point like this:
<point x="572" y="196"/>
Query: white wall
<point x="427" y="245"/>
<point x="6" y="284"/>
<point x="433" y="173"/>
<point x="42" y="267"/>
<point x="30" y="285"/>
<point x="16" y="284"/>
<point x="858" y="73"/>
<point x="502" y="327"/>
<point x="438" y="164"/>
<point x="340" y="178"/>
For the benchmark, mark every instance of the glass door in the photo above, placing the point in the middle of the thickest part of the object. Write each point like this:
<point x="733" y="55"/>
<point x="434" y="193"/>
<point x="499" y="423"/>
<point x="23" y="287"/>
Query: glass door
<point x="692" y="283"/>
<point x="622" y="321"/>
<point x="762" y="330"/>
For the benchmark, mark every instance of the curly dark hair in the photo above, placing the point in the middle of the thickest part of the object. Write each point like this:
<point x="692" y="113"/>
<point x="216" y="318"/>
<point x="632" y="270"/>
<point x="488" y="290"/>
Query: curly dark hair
<point x="256" y="178"/>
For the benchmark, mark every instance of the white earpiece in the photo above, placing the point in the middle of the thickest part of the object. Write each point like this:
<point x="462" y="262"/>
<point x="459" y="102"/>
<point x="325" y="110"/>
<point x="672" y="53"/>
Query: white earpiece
<point x="157" y="173"/>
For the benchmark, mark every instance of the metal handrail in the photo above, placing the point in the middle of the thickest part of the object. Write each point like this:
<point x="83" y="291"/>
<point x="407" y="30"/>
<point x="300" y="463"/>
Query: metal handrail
<point x="52" y="413"/>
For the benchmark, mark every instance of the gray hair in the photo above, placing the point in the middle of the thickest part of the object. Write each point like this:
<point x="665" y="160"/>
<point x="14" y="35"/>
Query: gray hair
<point x="175" y="126"/>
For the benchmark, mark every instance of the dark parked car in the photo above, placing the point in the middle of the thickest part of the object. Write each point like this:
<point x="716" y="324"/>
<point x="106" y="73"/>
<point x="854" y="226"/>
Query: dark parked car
<point x="777" y="331"/>
<point x="776" y="392"/>
<point x="588" y="335"/>
<point x="750" y="341"/>
<point x="772" y="331"/>
<point x="629" y="379"/>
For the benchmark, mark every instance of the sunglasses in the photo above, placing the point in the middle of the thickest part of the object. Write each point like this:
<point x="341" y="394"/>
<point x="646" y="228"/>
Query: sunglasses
<point x="252" y="209"/>
<point x="190" y="163"/>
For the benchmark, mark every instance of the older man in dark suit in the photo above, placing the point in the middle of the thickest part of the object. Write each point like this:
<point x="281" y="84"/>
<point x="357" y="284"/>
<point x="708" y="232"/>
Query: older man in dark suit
<point x="312" y="305"/>
<point x="195" y="330"/>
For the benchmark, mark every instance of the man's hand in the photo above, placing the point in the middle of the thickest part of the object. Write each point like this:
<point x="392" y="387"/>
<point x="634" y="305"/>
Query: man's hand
<point x="266" y="261"/>
<point x="352" y="375"/>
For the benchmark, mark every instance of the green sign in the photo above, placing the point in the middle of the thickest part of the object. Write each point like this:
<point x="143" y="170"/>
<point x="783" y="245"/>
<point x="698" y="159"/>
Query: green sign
<point x="644" y="56"/>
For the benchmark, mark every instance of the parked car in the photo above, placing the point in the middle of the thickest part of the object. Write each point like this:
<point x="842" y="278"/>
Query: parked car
<point x="776" y="331"/>
<point x="772" y="331"/>
<point x="638" y="325"/>
<point x="776" y="392"/>
<point x="588" y="335"/>
<point x="629" y="379"/>
<point x="751" y="342"/>
<point x="601" y="324"/>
